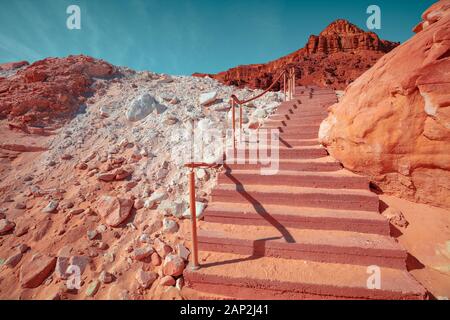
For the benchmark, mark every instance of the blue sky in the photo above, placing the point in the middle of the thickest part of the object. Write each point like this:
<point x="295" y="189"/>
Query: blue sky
<point x="185" y="36"/>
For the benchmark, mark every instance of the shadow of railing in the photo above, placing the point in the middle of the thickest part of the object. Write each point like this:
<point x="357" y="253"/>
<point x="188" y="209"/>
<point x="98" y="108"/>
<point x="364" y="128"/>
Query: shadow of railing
<point x="259" y="208"/>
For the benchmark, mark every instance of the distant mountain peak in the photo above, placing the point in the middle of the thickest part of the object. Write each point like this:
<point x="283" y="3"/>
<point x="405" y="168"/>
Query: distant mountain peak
<point x="334" y="58"/>
<point x="343" y="36"/>
<point x="341" y="27"/>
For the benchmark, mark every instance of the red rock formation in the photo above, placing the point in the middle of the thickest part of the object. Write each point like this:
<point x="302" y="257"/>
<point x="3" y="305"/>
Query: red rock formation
<point x="393" y="123"/>
<point x="13" y="65"/>
<point x="335" y="58"/>
<point x="49" y="90"/>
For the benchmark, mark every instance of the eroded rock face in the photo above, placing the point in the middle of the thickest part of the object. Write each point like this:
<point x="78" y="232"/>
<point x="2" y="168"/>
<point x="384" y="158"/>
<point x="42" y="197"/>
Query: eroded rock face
<point x="49" y="90"/>
<point x="12" y="65"/>
<point x="342" y="36"/>
<point x="393" y="123"/>
<point x="334" y="58"/>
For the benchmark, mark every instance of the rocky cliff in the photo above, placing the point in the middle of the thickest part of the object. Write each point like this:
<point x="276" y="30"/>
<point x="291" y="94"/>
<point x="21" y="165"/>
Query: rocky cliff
<point x="393" y="123"/>
<point x="48" y="90"/>
<point x="334" y="58"/>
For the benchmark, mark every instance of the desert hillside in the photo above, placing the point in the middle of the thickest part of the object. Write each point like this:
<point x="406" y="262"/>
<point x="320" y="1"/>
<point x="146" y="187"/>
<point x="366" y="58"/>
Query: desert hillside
<point x="91" y="174"/>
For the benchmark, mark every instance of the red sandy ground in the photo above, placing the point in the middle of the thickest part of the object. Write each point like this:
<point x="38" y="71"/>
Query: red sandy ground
<point x="427" y="238"/>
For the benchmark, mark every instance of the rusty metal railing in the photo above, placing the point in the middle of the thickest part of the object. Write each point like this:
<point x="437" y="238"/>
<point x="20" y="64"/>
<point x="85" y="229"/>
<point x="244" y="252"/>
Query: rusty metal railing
<point x="288" y="76"/>
<point x="193" y="209"/>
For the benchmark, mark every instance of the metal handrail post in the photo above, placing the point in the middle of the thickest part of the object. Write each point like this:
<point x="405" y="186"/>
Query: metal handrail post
<point x="240" y="117"/>
<point x="195" y="264"/>
<point x="293" y="75"/>
<point x="233" y="119"/>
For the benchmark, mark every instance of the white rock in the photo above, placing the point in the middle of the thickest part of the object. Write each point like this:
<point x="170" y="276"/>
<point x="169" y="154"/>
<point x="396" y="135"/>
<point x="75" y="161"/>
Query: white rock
<point x="142" y="106"/>
<point x="259" y="114"/>
<point x="175" y="208"/>
<point x="158" y="196"/>
<point x="183" y="252"/>
<point x="271" y="107"/>
<point x="145" y="238"/>
<point x="170" y="226"/>
<point x="199" y="211"/>
<point x="207" y="98"/>
<point x="154" y="198"/>
<point x="123" y="143"/>
<point x="202" y="174"/>
<point x="143" y="152"/>
<point x="205" y="124"/>
<point x="180" y="283"/>
<point x="51" y="207"/>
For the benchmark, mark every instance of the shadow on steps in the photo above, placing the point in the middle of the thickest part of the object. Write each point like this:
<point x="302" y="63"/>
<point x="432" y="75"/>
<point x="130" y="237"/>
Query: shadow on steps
<point x="259" y="207"/>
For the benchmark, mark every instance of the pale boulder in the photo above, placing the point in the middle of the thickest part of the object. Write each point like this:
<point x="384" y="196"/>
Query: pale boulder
<point x="142" y="106"/>
<point x="199" y="211"/>
<point x="208" y="98"/>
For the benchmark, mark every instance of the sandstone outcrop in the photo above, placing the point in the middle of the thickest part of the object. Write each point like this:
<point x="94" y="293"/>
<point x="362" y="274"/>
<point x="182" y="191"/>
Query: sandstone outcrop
<point x="334" y="58"/>
<point x="50" y="90"/>
<point x="13" y="65"/>
<point x="393" y="123"/>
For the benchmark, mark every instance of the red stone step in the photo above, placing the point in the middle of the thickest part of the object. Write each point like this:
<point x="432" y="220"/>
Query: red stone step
<point x="286" y="120"/>
<point x="297" y="217"/>
<point x="297" y="196"/>
<point x="333" y="180"/>
<point x="300" y="128"/>
<point x="251" y="277"/>
<point x="290" y="105"/>
<point x="298" y="142"/>
<point x="307" y="152"/>
<point x="309" y="231"/>
<point x="191" y="294"/>
<point x="302" y="114"/>
<point x="315" y="245"/>
<point x="313" y="108"/>
<point x="297" y="164"/>
<point x="310" y="130"/>
<point x="299" y="135"/>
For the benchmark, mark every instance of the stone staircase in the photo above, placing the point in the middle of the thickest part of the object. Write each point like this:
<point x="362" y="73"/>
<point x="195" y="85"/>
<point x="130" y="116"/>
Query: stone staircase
<point x="309" y="232"/>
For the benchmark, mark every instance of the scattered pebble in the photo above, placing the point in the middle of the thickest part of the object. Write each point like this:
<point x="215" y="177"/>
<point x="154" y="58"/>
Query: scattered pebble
<point x="92" y="289"/>
<point x="51" y="207"/>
